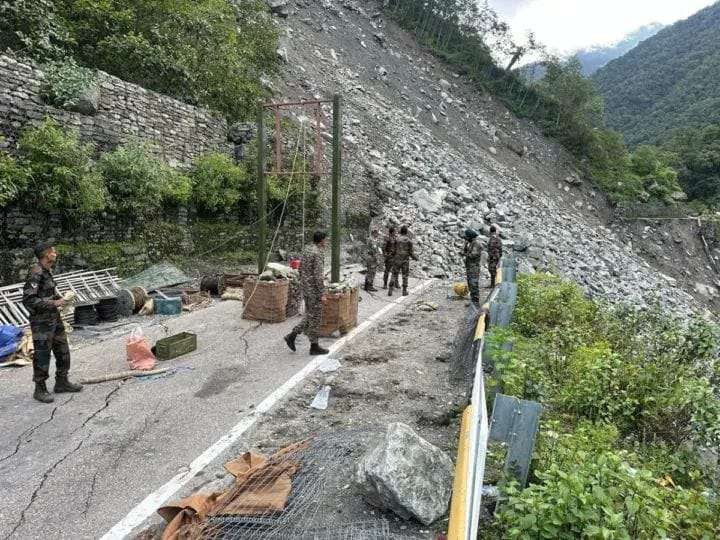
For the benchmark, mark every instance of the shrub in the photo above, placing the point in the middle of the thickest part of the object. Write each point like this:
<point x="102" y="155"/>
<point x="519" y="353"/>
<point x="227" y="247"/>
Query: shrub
<point x="587" y="490"/>
<point x="66" y="82"/>
<point x="201" y="51"/>
<point x="33" y="28"/>
<point x="13" y="179"/>
<point x="643" y="372"/>
<point x="218" y="184"/>
<point x="62" y="176"/>
<point x="139" y="183"/>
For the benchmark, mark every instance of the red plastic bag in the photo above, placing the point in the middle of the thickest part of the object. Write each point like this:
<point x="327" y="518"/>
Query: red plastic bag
<point x="139" y="355"/>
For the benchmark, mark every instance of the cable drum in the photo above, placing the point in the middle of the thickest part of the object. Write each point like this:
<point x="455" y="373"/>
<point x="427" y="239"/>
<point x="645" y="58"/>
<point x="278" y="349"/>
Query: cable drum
<point x="126" y="302"/>
<point x="85" y="315"/>
<point x="140" y="296"/>
<point x="210" y="284"/>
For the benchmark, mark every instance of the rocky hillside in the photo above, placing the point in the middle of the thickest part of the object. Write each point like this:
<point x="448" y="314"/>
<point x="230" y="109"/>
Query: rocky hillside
<point x="423" y="147"/>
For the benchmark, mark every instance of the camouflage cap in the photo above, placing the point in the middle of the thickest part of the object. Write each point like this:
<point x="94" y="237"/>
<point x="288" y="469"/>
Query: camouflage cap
<point x="41" y="248"/>
<point x="470" y="233"/>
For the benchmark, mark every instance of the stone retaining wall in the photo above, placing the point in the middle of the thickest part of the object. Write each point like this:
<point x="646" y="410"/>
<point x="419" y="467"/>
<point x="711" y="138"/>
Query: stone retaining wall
<point x="179" y="132"/>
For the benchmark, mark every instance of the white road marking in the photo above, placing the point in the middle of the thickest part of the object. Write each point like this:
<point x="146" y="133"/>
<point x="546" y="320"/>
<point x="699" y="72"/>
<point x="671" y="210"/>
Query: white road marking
<point x="152" y="502"/>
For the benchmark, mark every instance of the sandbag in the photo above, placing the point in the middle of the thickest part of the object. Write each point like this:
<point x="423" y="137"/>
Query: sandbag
<point x="139" y="353"/>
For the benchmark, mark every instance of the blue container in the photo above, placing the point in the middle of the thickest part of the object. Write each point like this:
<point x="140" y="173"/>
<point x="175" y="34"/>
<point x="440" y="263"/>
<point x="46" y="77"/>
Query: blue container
<point x="168" y="306"/>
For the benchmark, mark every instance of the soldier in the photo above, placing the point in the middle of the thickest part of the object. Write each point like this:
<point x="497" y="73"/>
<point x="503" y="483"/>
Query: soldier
<point x="388" y="254"/>
<point x="495" y="252"/>
<point x="371" y="260"/>
<point x="401" y="260"/>
<point x="43" y="302"/>
<point x="472" y="253"/>
<point x="313" y="287"/>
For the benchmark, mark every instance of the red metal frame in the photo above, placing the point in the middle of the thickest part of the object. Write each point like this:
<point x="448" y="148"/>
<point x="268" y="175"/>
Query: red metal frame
<point x="317" y="169"/>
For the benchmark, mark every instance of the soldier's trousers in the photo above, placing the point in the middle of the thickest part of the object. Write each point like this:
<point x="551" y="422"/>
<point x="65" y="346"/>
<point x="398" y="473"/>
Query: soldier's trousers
<point x="397" y="269"/>
<point x="388" y="271"/>
<point x="370" y="275"/>
<point x="49" y="337"/>
<point x="492" y="268"/>
<point x="473" y="281"/>
<point x="310" y="325"/>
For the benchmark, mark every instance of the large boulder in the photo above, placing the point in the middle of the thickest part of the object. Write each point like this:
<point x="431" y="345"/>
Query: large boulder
<point x="429" y="202"/>
<point x="407" y="475"/>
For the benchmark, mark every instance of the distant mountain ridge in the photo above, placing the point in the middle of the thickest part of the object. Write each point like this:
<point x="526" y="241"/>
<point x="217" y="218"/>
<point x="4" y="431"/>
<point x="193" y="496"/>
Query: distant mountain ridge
<point x="593" y="58"/>
<point x="669" y="81"/>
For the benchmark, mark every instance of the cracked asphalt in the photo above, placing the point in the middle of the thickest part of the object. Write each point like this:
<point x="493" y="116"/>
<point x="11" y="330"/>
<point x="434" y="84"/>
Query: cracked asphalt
<point x="76" y="467"/>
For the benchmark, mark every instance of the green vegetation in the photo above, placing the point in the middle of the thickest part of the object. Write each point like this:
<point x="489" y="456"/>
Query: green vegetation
<point x="65" y="82"/>
<point x="140" y="183"/>
<point x="13" y="179"/>
<point x="697" y="154"/>
<point x="127" y="257"/>
<point x="60" y="170"/>
<point x="200" y="51"/>
<point x="669" y="81"/>
<point x="627" y="396"/>
<point x="219" y="184"/>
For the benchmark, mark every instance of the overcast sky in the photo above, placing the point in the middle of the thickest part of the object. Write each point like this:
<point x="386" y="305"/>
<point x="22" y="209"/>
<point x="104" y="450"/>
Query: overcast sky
<point x="568" y="25"/>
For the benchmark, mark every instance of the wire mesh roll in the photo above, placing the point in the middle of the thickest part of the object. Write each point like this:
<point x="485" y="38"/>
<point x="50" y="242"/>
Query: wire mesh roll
<point x="141" y="296"/>
<point x="85" y="315"/>
<point x="107" y="309"/>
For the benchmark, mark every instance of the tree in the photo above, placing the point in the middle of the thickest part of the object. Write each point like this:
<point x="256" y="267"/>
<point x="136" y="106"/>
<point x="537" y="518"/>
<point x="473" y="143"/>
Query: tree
<point x="698" y="161"/>
<point x="578" y="107"/>
<point x="33" y="28"/>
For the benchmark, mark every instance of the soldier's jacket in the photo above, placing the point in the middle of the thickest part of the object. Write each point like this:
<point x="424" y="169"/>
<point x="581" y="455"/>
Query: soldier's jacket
<point x="372" y="252"/>
<point x="494" y="249"/>
<point x="38" y="293"/>
<point x="312" y="272"/>
<point x="403" y="250"/>
<point x="389" y="247"/>
<point x="472" y="252"/>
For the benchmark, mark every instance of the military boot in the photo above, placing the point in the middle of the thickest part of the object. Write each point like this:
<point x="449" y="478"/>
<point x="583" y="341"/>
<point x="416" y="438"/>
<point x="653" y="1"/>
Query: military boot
<point x="405" y="291"/>
<point x="370" y="288"/>
<point x="64" y="386"/>
<point x="42" y="394"/>
<point x="385" y="282"/>
<point x="317" y="350"/>
<point x="390" y="290"/>
<point x="290" y="340"/>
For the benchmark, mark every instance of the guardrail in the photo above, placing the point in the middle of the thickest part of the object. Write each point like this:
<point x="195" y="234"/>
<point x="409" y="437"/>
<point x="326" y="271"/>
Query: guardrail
<point x="474" y="435"/>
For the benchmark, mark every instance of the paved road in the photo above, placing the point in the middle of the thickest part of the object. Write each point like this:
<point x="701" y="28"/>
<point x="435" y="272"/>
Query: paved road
<point x="75" y="468"/>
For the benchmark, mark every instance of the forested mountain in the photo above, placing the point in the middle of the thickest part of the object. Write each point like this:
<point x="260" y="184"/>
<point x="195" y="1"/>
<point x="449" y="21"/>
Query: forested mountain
<point x="669" y="81"/>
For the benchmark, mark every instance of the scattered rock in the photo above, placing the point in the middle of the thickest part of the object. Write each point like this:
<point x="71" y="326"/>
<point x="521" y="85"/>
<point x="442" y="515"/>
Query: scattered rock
<point x="407" y="475"/>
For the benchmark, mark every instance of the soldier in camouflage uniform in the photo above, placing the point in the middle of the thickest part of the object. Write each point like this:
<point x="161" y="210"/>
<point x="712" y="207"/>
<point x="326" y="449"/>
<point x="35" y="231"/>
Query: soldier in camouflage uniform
<point x="388" y="254"/>
<point x="472" y="253"/>
<point x="401" y="260"/>
<point x="372" y="253"/>
<point x="312" y="284"/>
<point x="43" y="302"/>
<point x="495" y="252"/>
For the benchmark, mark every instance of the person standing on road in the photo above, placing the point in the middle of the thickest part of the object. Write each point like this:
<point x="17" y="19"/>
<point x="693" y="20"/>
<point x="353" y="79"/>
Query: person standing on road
<point x="495" y="251"/>
<point x="43" y="302"/>
<point x="311" y="281"/>
<point x="372" y="252"/>
<point x="472" y="253"/>
<point x="388" y="254"/>
<point x="401" y="261"/>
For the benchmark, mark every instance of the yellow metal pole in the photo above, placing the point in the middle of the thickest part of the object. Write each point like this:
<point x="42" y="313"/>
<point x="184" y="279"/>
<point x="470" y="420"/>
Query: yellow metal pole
<point x="457" y="527"/>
